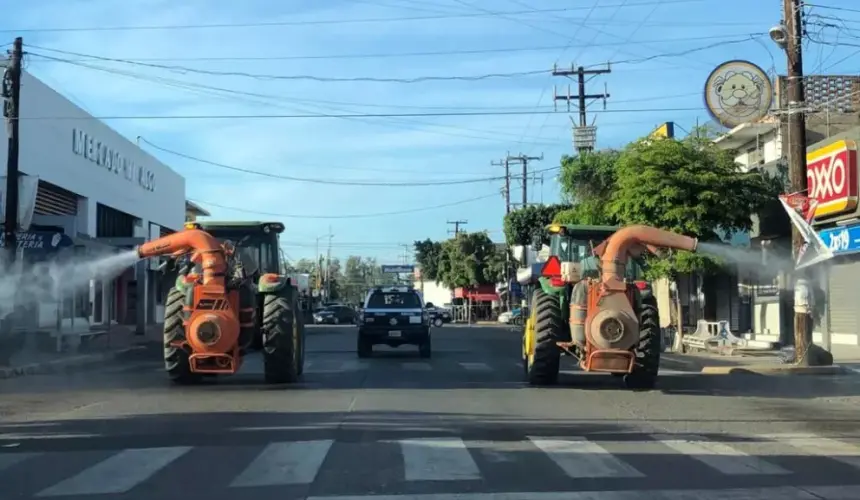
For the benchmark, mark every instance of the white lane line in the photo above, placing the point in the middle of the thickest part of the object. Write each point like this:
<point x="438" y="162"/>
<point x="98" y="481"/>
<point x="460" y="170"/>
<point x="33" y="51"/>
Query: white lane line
<point x="580" y="458"/>
<point x="438" y="459"/>
<point x="719" y="456"/>
<point x="417" y="366"/>
<point x="476" y="367"/>
<point x="820" y="446"/>
<point x="285" y="463"/>
<point x="117" y="474"/>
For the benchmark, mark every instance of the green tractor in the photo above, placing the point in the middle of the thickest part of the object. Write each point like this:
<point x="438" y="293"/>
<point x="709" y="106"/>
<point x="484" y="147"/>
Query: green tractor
<point x="590" y="301"/>
<point x="269" y="315"/>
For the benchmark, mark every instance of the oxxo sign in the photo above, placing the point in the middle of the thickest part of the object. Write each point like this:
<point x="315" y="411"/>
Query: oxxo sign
<point x="831" y="176"/>
<point x="101" y="154"/>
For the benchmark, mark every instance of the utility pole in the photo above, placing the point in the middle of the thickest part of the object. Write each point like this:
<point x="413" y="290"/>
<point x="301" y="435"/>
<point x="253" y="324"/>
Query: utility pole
<point x="328" y="267"/>
<point x="12" y="110"/>
<point x="457" y="224"/>
<point x="584" y="136"/>
<point x="524" y="161"/>
<point x="507" y="166"/>
<point x="793" y="22"/>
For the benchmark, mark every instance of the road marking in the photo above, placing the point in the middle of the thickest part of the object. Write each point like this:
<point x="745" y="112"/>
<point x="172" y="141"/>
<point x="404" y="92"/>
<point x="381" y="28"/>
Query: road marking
<point x="438" y="459"/>
<point x="9" y="459"/>
<point x="820" y="446"/>
<point x="417" y="366"/>
<point x="580" y="458"/>
<point x="285" y="463"/>
<point x="780" y="492"/>
<point x="719" y="456"/>
<point x="117" y="474"/>
<point x="476" y="367"/>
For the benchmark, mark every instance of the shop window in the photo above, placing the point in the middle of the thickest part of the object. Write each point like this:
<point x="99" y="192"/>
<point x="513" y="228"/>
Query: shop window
<point x="111" y="223"/>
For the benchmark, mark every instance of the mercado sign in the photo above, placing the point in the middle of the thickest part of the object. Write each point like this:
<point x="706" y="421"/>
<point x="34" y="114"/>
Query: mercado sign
<point x="831" y="177"/>
<point x="100" y="153"/>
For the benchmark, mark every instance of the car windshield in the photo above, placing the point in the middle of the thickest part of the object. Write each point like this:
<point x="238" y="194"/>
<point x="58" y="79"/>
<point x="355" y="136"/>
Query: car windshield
<point x="395" y="300"/>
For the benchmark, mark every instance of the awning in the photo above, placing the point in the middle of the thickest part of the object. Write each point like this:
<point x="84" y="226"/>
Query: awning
<point x="483" y="297"/>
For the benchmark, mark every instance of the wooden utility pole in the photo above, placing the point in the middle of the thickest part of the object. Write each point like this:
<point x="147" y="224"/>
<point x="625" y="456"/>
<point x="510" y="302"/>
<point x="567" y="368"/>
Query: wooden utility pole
<point x="328" y="275"/>
<point x="792" y="20"/>
<point x="524" y="161"/>
<point x="507" y="166"/>
<point x="584" y="136"/>
<point x="12" y="110"/>
<point x="457" y="224"/>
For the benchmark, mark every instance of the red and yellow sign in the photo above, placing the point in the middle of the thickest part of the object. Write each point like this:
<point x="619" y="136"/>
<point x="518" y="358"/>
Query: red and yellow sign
<point x="831" y="176"/>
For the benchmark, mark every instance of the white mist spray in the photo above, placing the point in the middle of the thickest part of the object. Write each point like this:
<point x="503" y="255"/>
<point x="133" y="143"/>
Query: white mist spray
<point x="28" y="284"/>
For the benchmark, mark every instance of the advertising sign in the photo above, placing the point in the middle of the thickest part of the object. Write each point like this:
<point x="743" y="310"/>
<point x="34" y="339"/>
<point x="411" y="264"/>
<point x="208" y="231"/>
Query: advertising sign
<point x="738" y="92"/>
<point x="40" y="241"/>
<point x="842" y="240"/>
<point x="398" y="269"/>
<point x="831" y="177"/>
<point x="665" y="131"/>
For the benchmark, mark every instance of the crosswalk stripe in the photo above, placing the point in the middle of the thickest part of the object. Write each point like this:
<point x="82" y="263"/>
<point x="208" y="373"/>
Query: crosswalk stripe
<point x="417" y="366"/>
<point x="580" y="458"/>
<point x="719" y="456"/>
<point x="9" y="459"/>
<point x="476" y="367"/>
<point x="285" y="463"/>
<point x="117" y="474"/>
<point x="438" y="459"/>
<point x="821" y="446"/>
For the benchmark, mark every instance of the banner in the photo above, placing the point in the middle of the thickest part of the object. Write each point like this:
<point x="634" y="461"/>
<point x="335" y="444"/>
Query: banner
<point x="28" y="186"/>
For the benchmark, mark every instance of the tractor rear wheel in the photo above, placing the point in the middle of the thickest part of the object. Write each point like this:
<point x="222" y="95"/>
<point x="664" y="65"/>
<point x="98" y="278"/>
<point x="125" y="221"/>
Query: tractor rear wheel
<point x="646" y="364"/>
<point x="282" y="342"/>
<point x="175" y="350"/>
<point x="543" y="364"/>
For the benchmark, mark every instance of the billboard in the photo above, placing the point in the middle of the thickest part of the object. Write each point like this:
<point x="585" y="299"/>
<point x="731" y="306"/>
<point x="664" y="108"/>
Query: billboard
<point x="398" y="268"/>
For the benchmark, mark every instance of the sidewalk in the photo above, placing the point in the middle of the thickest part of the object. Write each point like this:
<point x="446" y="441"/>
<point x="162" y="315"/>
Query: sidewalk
<point x="846" y="358"/>
<point x="108" y="344"/>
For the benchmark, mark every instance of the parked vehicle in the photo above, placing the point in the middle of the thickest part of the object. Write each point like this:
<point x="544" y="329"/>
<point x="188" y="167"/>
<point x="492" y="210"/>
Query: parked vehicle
<point x="335" y="315"/>
<point x="438" y="315"/>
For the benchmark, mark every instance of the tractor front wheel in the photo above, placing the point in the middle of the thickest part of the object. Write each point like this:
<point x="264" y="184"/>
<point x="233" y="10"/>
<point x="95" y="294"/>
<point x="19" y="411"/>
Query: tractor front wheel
<point x="176" y="353"/>
<point x="646" y="364"/>
<point x="282" y="339"/>
<point x="543" y="358"/>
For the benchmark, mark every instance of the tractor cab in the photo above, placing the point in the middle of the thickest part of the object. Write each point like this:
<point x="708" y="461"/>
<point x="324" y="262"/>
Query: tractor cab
<point x="256" y="242"/>
<point x="575" y="244"/>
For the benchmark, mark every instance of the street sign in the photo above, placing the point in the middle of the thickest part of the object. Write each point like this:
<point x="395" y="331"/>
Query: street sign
<point x="398" y="269"/>
<point x="842" y="240"/>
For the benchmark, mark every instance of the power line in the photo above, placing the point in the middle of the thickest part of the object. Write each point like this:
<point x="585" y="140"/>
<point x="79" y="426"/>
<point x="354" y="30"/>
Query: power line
<point x="383" y="55"/>
<point x="418" y="79"/>
<point x="342" y="115"/>
<point x="324" y="181"/>
<point x="830" y="7"/>
<point x="263" y="24"/>
<point x="353" y="216"/>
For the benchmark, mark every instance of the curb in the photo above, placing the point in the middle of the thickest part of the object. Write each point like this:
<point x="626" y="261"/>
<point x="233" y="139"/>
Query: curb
<point x="63" y="364"/>
<point x="775" y="370"/>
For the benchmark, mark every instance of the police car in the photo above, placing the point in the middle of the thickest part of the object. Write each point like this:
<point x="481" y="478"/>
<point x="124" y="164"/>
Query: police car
<point x="393" y="316"/>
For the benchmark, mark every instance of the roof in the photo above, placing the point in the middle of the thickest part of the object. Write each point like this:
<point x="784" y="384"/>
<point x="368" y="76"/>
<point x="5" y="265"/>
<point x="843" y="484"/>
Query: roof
<point x="210" y="225"/>
<point x="746" y="133"/>
<point x="589" y="231"/>
<point x="196" y="209"/>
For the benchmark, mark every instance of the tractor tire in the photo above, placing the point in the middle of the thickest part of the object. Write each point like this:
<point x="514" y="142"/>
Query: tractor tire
<point x="646" y="364"/>
<point x="282" y="339"/>
<point x="549" y="329"/>
<point x="176" y="361"/>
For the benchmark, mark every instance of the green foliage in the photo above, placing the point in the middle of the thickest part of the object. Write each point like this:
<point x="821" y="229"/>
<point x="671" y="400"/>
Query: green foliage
<point x="359" y="274"/>
<point x="427" y="255"/>
<point x="521" y="226"/>
<point x="470" y="259"/>
<point x="688" y="186"/>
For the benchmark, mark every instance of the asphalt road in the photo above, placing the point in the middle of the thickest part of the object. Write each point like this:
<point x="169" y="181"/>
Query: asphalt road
<point x="461" y="425"/>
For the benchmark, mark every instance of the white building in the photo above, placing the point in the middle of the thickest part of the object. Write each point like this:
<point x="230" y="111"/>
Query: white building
<point x="102" y="191"/>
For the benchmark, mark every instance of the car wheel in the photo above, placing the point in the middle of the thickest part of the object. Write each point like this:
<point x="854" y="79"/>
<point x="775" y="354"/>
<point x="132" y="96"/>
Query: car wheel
<point x="437" y="322"/>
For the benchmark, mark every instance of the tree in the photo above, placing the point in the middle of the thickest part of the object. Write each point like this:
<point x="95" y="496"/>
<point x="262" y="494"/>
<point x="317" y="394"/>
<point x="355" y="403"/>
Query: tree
<point x="523" y="225"/>
<point x="470" y="259"/>
<point x="427" y="255"/>
<point x="588" y="181"/>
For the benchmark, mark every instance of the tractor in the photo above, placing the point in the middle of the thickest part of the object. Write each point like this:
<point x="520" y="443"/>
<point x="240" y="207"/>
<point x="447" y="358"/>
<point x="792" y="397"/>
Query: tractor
<point x="590" y="302"/>
<point x="229" y="299"/>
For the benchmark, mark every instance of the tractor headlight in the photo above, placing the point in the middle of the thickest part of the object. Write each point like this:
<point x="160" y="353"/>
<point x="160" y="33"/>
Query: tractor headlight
<point x="208" y="332"/>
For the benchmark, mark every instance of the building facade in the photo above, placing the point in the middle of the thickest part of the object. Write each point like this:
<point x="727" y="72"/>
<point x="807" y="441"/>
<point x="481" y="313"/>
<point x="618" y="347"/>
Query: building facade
<point x="102" y="191"/>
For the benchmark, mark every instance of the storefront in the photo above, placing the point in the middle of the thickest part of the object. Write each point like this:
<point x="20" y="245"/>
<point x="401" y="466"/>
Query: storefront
<point x="102" y="191"/>
<point x="833" y="182"/>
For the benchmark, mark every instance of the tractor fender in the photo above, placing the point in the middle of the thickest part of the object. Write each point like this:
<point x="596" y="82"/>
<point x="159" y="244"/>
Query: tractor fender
<point x="273" y="283"/>
<point x="548" y="288"/>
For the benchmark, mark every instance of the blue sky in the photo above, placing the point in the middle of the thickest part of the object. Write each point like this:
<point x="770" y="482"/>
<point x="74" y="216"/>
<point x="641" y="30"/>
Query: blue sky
<point x="644" y="33"/>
